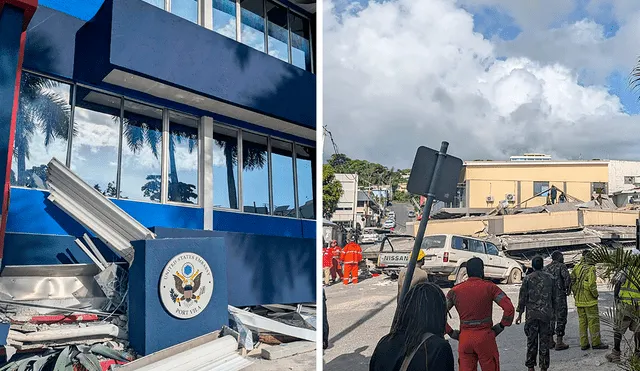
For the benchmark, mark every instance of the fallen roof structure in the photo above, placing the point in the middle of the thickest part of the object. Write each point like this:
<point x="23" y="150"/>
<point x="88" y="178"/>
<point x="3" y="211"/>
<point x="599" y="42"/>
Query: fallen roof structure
<point x="94" y="211"/>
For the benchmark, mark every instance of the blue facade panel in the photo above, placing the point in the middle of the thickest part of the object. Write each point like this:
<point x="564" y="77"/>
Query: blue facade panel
<point x="134" y="36"/>
<point x="10" y="30"/>
<point x="31" y="212"/>
<point x="263" y="269"/>
<point x="151" y="327"/>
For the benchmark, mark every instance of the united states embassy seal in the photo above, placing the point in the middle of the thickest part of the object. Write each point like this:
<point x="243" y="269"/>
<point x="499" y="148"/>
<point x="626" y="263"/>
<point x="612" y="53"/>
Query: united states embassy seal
<point x="186" y="285"/>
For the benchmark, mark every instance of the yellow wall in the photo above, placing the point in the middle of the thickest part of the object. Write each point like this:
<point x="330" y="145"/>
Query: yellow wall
<point x="463" y="227"/>
<point x="540" y="222"/>
<point x="498" y="180"/>
<point x="619" y="218"/>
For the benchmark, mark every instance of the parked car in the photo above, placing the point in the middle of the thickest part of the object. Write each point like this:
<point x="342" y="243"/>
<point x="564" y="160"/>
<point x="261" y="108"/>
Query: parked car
<point x="369" y="235"/>
<point x="390" y="223"/>
<point x="391" y="215"/>
<point x="411" y="214"/>
<point x="446" y="256"/>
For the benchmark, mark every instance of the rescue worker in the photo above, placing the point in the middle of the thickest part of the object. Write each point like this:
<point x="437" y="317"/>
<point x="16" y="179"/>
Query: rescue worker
<point x="554" y="194"/>
<point x="537" y="297"/>
<point x="585" y="291"/>
<point x="563" y="198"/>
<point x="327" y="257"/>
<point x="351" y="256"/>
<point x="419" y="274"/>
<point x="474" y="300"/>
<point x="627" y="297"/>
<point x="336" y="269"/>
<point x="562" y="279"/>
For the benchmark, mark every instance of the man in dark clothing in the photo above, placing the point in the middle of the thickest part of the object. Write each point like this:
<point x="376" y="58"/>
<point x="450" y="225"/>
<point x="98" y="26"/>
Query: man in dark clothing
<point x="554" y="194"/>
<point x="325" y="322"/>
<point x="537" y="298"/>
<point x="562" y="278"/>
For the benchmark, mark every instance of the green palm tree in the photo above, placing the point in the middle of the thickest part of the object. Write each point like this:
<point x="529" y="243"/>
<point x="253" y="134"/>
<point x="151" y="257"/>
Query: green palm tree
<point x="614" y="263"/>
<point x="40" y="109"/>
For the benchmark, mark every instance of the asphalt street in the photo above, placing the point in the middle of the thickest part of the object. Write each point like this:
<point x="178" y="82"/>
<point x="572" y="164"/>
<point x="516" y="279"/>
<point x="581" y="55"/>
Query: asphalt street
<point x="401" y="211"/>
<point x="359" y="315"/>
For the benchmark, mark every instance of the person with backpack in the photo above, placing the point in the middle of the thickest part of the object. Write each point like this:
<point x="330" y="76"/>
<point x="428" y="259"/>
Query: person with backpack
<point x="416" y="341"/>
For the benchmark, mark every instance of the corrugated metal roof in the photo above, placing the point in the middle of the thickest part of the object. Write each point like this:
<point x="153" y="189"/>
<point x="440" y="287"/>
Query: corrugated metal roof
<point x="94" y="211"/>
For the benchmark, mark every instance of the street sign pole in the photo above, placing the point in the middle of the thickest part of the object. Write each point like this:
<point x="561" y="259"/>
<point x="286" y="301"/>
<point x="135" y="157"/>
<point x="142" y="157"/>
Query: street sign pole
<point x="423" y="223"/>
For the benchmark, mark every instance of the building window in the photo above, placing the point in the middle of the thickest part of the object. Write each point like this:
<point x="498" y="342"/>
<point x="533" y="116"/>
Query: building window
<point x="539" y="187"/>
<point x="305" y="159"/>
<point x="255" y="174"/>
<point x="252" y="28"/>
<point x="94" y="151"/>
<point x="187" y="9"/>
<point x="278" y="31"/>
<point x="284" y="203"/>
<point x="629" y="179"/>
<point x="476" y="246"/>
<point x="224" y="18"/>
<point x="300" y="41"/>
<point x="183" y="158"/>
<point x="225" y="167"/>
<point x="157" y="3"/>
<point x="141" y="152"/>
<point x="42" y="129"/>
<point x="599" y="188"/>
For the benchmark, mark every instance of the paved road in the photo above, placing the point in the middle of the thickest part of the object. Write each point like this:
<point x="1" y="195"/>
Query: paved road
<point x="360" y="315"/>
<point x="401" y="216"/>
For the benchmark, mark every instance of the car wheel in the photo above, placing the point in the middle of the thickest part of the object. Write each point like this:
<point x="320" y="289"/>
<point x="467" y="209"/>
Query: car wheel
<point x="462" y="275"/>
<point x="515" y="276"/>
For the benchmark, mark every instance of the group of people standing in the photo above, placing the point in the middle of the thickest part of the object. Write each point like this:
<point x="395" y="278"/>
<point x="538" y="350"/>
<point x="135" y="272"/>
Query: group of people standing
<point x="341" y="262"/>
<point x="416" y="340"/>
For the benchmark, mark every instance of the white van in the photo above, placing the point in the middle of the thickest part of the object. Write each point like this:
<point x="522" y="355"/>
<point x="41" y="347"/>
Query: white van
<point x="446" y="256"/>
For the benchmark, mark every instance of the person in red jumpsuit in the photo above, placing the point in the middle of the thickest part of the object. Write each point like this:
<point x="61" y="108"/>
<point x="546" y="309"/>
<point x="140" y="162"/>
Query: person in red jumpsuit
<point x="351" y="256"/>
<point x="473" y="299"/>
<point x="336" y="269"/>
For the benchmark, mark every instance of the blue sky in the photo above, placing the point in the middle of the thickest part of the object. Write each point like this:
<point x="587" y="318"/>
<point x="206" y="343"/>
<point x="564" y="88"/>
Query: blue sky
<point x="508" y="76"/>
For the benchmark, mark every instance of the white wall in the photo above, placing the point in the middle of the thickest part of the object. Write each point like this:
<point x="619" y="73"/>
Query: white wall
<point x="348" y="200"/>
<point x="618" y="170"/>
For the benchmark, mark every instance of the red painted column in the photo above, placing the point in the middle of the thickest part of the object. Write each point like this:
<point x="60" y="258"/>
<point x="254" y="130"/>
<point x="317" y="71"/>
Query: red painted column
<point x="10" y="13"/>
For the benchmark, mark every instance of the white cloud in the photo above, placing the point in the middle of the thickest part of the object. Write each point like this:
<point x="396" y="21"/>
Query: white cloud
<point x="407" y="73"/>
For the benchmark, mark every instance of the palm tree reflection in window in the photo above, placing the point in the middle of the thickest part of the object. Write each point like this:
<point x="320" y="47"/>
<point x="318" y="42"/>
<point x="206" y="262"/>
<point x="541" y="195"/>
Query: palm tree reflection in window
<point x="44" y="113"/>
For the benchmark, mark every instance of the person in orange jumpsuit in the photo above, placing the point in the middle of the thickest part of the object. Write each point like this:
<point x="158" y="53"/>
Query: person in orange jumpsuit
<point x="351" y="256"/>
<point x="473" y="299"/>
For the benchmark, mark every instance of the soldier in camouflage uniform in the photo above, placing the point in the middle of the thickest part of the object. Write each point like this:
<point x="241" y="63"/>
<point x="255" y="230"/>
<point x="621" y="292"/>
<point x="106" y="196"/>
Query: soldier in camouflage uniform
<point x="537" y="297"/>
<point x="562" y="279"/>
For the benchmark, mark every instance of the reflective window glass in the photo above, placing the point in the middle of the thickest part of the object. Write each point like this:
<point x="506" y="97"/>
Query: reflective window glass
<point x="255" y="174"/>
<point x="476" y="246"/>
<point x="305" y="160"/>
<point x="300" y="41"/>
<point x="225" y="167"/>
<point x="183" y="158"/>
<point x="224" y="18"/>
<point x="187" y="9"/>
<point x="252" y="17"/>
<point x="492" y="249"/>
<point x="158" y="3"/>
<point x="141" y="152"/>
<point x="278" y="31"/>
<point x="282" y="178"/>
<point x="94" y="151"/>
<point x="42" y="129"/>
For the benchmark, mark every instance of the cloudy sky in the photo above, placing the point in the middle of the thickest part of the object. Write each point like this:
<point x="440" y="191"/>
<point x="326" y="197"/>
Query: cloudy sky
<point x="494" y="78"/>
